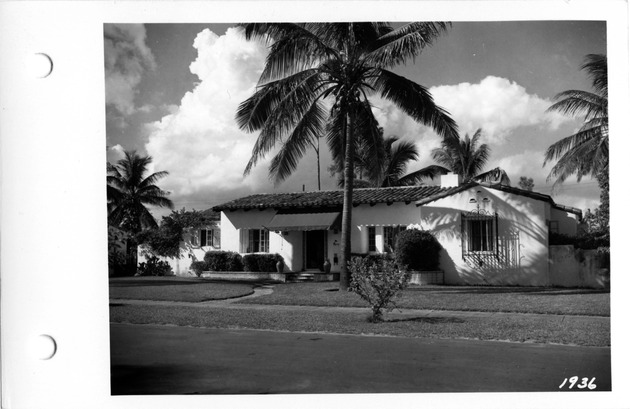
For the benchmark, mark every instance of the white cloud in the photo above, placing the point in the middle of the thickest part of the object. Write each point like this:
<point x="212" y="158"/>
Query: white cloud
<point x="497" y="105"/>
<point x="127" y="57"/>
<point x="118" y="152"/>
<point x="528" y="163"/>
<point x="199" y="142"/>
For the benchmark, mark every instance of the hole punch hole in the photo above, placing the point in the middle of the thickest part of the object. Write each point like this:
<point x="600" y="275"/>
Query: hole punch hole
<point x="44" y="347"/>
<point x="40" y="65"/>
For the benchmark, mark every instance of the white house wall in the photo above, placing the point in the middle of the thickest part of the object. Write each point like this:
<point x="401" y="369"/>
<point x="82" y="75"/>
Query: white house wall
<point x="522" y="226"/>
<point x="567" y="222"/>
<point x="517" y="215"/>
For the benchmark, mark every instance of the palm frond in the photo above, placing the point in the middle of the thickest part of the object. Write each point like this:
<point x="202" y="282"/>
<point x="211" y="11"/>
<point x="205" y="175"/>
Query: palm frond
<point x="292" y="55"/>
<point x="406" y="42"/>
<point x="566" y="144"/>
<point x="368" y="134"/>
<point x="428" y="172"/>
<point x="596" y="65"/>
<point x="310" y="127"/>
<point x="252" y="113"/>
<point x="575" y="102"/>
<point x="415" y="100"/>
<point x="494" y="176"/>
<point x="152" y="179"/>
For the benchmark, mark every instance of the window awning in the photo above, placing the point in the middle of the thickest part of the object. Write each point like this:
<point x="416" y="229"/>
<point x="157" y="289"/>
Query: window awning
<point x="302" y="221"/>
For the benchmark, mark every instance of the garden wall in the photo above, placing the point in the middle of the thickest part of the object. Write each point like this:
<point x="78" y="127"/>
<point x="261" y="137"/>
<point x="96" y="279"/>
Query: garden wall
<point x="571" y="267"/>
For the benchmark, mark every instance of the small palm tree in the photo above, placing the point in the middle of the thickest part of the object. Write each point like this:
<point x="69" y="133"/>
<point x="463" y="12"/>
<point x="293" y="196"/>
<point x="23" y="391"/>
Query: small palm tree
<point x="467" y="158"/>
<point x="397" y="159"/>
<point x="129" y="191"/>
<point x="585" y="152"/>
<point x="343" y="63"/>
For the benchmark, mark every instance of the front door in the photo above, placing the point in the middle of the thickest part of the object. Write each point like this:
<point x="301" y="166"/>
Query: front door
<point x="315" y="249"/>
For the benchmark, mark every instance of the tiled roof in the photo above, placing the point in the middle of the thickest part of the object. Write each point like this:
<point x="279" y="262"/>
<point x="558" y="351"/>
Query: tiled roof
<point x="334" y="198"/>
<point x="535" y="195"/>
<point x="420" y="195"/>
<point x="504" y="188"/>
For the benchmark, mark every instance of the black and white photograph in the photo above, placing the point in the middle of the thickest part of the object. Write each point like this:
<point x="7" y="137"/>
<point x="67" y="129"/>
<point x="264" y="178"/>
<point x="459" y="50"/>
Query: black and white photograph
<point x="353" y="203"/>
<point x="358" y="207"/>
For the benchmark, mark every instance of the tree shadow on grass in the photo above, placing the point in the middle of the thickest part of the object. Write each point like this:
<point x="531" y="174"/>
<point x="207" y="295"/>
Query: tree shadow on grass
<point x="429" y="320"/>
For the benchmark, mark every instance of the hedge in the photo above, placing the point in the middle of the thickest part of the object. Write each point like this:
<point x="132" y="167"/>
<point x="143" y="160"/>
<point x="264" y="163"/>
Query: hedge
<point x="264" y="263"/>
<point x="223" y="261"/>
<point x="418" y="250"/>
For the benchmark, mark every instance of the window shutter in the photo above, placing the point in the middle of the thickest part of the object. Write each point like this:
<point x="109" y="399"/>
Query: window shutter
<point x="216" y="238"/>
<point x="463" y="233"/>
<point x="244" y="240"/>
<point x="204" y="237"/>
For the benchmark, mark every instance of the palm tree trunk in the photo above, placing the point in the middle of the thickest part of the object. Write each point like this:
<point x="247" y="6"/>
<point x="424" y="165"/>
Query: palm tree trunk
<point x="346" y="218"/>
<point x="319" y="181"/>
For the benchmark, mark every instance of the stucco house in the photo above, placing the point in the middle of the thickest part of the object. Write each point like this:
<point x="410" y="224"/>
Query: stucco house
<point x="490" y="234"/>
<point x="194" y="245"/>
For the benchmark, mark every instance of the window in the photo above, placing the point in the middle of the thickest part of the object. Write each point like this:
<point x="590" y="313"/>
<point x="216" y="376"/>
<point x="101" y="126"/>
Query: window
<point x="478" y="233"/>
<point x="371" y="238"/>
<point x="554" y="226"/>
<point x="210" y="237"/>
<point x="390" y="234"/>
<point x="206" y="237"/>
<point x="255" y="241"/>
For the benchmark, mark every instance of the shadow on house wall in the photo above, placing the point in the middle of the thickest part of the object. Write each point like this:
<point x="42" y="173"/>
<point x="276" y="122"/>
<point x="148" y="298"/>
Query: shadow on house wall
<point x="521" y="256"/>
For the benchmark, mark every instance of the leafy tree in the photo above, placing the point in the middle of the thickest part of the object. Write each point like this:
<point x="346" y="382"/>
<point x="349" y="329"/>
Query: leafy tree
<point x="165" y="240"/>
<point x="526" y="183"/>
<point x="467" y="158"/>
<point x="344" y="63"/>
<point x="129" y="191"/>
<point x="586" y="151"/>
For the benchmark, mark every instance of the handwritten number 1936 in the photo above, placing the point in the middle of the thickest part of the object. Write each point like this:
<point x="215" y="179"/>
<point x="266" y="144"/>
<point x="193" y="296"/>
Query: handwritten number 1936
<point x="582" y="385"/>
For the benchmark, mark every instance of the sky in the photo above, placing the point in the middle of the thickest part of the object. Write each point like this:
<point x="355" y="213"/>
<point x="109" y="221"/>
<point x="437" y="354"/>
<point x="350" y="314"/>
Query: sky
<point x="172" y="91"/>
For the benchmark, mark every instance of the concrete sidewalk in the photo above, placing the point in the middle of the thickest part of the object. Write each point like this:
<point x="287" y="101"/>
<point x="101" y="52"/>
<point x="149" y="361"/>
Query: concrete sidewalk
<point x="395" y="314"/>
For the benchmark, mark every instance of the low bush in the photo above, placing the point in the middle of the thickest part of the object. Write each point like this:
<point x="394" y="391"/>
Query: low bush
<point x="264" y="263"/>
<point x="377" y="282"/>
<point x="198" y="267"/>
<point x="154" y="267"/>
<point x="585" y="241"/>
<point x="418" y="250"/>
<point x="223" y="261"/>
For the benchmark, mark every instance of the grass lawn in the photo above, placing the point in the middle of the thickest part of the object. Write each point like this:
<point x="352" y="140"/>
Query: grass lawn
<point x="175" y="289"/>
<point x="589" y="331"/>
<point x="541" y="300"/>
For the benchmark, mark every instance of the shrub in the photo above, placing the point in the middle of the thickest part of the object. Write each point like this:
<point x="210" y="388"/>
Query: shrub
<point x="119" y="265"/>
<point x="154" y="267"/>
<point x="223" y="261"/>
<point x="264" y="263"/>
<point x="198" y="267"/>
<point x="377" y="283"/>
<point x="418" y="250"/>
<point x="585" y="241"/>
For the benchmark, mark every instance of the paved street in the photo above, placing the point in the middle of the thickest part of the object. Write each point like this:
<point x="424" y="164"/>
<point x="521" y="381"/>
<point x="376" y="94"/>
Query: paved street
<point x="153" y="359"/>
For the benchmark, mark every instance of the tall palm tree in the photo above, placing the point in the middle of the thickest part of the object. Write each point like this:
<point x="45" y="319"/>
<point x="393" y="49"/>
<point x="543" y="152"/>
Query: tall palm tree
<point x="129" y="191"/>
<point x="344" y="63"/>
<point x="586" y="151"/>
<point x="467" y="158"/>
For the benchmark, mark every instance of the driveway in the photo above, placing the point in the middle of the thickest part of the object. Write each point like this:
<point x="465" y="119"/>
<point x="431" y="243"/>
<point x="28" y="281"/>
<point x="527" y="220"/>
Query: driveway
<point x="153" y="359"/>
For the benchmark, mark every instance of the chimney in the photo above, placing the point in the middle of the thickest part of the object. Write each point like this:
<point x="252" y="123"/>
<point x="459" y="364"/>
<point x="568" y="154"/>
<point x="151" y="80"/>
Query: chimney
<point x="450" y="180"/>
